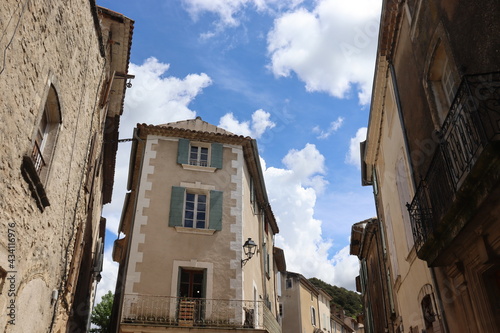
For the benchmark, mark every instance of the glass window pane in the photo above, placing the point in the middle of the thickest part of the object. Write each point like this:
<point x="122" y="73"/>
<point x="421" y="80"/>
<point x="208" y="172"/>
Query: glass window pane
<point x="202" y="198"/>
<point x="198" y="277"/>
<point x="200" y="224"/>
<point x="188" y="223"/>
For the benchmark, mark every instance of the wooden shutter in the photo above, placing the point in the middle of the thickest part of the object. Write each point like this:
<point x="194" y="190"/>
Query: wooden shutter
<point x="216" y="158"/>
<point x="176" y="206"/>
<point x="183" y="151"/>
<point x="215" y="210"/>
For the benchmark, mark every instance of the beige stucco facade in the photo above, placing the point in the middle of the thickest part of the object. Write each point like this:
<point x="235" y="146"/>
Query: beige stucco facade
<point x="386" y="156"/>
<point x="54" y="65"/>
<point x="305" y="308"/>
<point x="155" y="253"/>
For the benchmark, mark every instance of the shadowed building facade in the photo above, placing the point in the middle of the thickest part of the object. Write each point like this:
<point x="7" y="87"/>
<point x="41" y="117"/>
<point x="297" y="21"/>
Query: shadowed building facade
<point x="433" y="157"/>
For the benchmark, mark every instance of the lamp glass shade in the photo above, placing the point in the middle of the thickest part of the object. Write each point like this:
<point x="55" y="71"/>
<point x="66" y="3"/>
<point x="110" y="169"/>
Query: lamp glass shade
<point x="249" y="247"/>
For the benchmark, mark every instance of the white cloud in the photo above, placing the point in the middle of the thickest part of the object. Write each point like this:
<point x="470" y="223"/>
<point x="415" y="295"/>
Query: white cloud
<point x="157" y="99"/>
<point x="353" y="156"/>
<point x="334" y="127"/>
<point x="229" y="11"/>
<point x="259" y="124"/>
<point x="331" y="48"/>
<point x="293" y="192"/>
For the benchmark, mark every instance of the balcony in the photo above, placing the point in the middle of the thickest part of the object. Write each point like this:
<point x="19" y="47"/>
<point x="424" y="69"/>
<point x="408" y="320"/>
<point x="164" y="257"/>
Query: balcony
<point x="197" y="313"/>
<point x="464" y="168"/>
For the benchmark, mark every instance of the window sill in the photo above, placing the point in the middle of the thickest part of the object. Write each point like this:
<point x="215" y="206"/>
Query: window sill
<point x="198" y="168"/>
<point x="184" y="230"/>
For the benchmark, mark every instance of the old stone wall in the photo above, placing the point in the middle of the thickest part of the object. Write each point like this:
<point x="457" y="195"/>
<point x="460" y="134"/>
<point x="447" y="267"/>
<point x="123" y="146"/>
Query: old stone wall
<point x="46" y="44"/>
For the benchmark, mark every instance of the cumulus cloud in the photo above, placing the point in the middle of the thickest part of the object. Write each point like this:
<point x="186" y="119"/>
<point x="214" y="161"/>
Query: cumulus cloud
<point x="353" y="156"/>
<point x="334" y="127"/>
<point x="292" y="192"/>
<point x="227" y="10"/>
<point x="165" y="98"/>
<point x="330" y="48"/>
<point x="259" y="124"/>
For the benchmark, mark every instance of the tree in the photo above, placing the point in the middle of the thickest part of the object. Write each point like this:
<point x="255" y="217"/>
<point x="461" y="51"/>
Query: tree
<point x="102" y="313"/>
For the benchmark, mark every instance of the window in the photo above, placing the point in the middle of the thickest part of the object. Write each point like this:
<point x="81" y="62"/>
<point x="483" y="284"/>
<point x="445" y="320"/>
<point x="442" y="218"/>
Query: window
<point x="192" y="283"/>
<point x="313" y="316"/>
<point x="266" y="259"/>
<point x="36" y="162"/>
<point x="198" y="156"/>
<point x="191" y="207"/>
<point x="403" y="186"/>
<point x="442" y="80"/>
<point x="289" y="283"/>
<point x="195" y="210"/>
<point x="202" y="156"/>
<point x="46" y="132"/>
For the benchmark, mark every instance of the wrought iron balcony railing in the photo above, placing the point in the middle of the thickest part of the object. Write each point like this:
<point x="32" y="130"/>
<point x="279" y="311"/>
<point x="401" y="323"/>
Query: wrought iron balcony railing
<point x="37" y="158"/>
<point x="192" y="312"/>
<point x="471" y="124"/>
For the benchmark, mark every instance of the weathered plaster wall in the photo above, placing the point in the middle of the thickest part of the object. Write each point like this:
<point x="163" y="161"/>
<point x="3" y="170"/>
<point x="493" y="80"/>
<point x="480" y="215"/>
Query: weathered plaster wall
<point x="45" y="43"/>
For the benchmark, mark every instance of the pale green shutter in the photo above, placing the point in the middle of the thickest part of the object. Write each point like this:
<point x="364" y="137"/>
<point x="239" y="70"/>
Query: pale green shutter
<point x="215" y="210"/>
<point x="216" y="158"/>
<point x="176" y="206"/>
<point x="183" y="151"/>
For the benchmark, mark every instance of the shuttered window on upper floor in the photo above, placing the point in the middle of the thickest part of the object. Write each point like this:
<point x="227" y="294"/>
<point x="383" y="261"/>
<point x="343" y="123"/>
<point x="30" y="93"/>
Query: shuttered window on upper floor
<point x="199" y="154"/>
<point x="194" y="208"/>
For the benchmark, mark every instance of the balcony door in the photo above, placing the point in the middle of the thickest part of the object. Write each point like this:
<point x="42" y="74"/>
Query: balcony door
<point x="191" y="307"/>
<point x="192" y="283"/>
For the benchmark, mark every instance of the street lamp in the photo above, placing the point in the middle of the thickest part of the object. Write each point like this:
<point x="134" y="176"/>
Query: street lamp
<point x="249" y="248"/>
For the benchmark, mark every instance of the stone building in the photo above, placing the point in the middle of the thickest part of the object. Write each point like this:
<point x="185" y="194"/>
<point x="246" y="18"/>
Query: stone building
<point x="437" y="92"/>
<point x="198" y="250"/>
<point x="62" y="71"/>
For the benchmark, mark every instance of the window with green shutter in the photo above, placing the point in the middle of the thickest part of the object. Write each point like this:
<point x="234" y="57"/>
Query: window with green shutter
<point x="188" y="208"/>
<point x="194" y="155"/>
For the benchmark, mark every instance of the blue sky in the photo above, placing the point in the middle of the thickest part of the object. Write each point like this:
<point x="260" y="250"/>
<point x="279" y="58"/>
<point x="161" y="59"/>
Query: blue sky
<point x="294" y="74"/>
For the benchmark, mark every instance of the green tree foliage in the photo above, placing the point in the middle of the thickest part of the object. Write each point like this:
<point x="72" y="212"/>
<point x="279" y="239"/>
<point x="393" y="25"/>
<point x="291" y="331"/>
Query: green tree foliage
<point x="349" y="300"/>
<point x="102" y="313"/>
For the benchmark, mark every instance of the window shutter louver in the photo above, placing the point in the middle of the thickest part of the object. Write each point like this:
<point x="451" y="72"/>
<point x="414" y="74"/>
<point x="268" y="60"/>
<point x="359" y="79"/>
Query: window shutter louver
<point x="176" y="206"/>
<point x="216" y="158"/>
<point x="215" y="210"/>
<point x="183" y="151"/>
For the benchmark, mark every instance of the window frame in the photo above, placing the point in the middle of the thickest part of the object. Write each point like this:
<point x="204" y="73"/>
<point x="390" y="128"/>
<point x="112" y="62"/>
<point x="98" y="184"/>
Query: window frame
<point x="195" y="211"/>
<point x="45" y="140"/>
<point x="313" y="316"/>
<point x="198" y="162"/>
<point x="214" y="155"/>
<point x="214" y="205"/>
